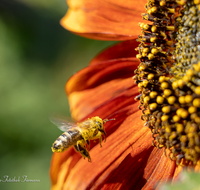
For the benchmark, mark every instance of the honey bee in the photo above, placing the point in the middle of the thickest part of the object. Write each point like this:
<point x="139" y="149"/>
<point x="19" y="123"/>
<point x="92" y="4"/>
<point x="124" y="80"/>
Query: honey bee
<point x="79" y="134"/>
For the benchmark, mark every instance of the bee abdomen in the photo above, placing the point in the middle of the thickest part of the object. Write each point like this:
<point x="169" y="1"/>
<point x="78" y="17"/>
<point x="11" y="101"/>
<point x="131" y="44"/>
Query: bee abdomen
<point x="69" y="138"/>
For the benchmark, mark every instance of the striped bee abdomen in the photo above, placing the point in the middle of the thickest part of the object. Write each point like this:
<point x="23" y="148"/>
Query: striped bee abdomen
<point x="66" y="140"/>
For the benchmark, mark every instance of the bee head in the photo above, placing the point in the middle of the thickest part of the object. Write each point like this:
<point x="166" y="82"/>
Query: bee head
<point x="101" y="123"/>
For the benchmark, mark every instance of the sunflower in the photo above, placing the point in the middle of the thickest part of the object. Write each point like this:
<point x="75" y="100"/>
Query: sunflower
<point x="151" y="145"/>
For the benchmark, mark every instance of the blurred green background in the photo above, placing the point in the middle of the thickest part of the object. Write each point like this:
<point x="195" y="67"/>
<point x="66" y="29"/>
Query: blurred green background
<point x="37" y="56"/>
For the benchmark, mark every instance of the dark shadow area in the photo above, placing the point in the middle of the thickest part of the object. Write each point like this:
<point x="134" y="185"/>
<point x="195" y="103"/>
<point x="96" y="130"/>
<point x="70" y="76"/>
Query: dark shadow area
<point x="40" y="35"/>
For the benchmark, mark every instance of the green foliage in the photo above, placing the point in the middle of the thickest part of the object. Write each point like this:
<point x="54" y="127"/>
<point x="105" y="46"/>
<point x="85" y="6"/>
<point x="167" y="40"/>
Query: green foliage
<point x="37" y="58"/>
<point x="187" y="181"/>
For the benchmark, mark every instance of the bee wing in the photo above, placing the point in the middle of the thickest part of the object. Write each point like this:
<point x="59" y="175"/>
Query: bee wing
<point x="62" y="122"/>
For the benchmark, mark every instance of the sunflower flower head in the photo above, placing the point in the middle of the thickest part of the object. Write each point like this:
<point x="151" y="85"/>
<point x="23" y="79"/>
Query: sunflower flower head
<point x="165" y="62"/>
<point x="168" y="76"/>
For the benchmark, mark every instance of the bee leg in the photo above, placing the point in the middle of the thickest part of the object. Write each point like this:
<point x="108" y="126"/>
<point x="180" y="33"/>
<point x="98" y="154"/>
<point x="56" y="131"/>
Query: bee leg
<point x="104" y="134"/>
<point x="84" y="153"/>
<point x="88" y="144"/>
<point x="104" y="138"/>
<point x="76" y="148"/>
<point x="100" y="141"/>
<point x="79" y="144"/>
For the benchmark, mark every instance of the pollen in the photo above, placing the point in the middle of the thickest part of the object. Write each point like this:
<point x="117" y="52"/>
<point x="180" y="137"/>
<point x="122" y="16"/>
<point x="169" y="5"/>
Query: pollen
<point x="168" y="76"/>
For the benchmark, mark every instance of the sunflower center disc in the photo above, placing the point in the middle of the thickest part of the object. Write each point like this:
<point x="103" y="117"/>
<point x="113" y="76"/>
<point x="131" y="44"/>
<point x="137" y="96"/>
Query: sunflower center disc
<point x="168" y="76"/>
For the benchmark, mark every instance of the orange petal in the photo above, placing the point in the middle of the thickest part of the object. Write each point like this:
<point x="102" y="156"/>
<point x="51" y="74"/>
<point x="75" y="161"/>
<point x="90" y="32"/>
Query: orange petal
<point x="124" y="49"/>
<point x="104" y="99"/>
<point x="97" y="74"/>
<point x="177" y="172"/>
<point x="118" y="145"/>
<point x="59" y="158"/>
<point x="56" y="161"/>
<point x="104" y="19"/>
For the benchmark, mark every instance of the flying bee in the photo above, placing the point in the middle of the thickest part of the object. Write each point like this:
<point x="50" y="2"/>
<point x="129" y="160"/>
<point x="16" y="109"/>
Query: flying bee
<point x="79" y="134"/>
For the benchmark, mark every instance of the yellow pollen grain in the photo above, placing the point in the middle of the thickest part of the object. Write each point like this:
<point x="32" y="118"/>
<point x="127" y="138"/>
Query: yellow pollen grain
<point x="140" y="85"/>
<point x="181" y="99"/>
<point x="167" y="92"/>
<point x="146" y="50"/>
<point x="164" y="85"/>
<point x="189" y="72"/>
<point x="166" y="109"/>
<point x="161" y="79"/>
<point x="197" y="90"/>
<point x="197" y="150"/>
<point x="141" y="24"/>
<point x="163" y="34"/>
<point x="183" y="138"/>
<point x="145" y="26"/>
<point x="150" y="76"/>
<point x="171" y="99"/>
<point x="197" y="119"/>
<point x="196" y="2"/>
<point x="168" y="129"/>
<point x="171" y="11"/>
<point x="154" y="51"/>
<point x="150" y="56"/>
<point x="159" y="99"/>
<point x="169" y="43"/>
<point x="179" y="111"/>
<point x="152" y="106"/>
<point x="153" y="39"/>
<point x="144" y="54"/>
<point x="164" y="117"/>
<point x="149" y="11"/>
<point x="145" y="83"/>
<point x="141" y="68"/>
<point x="175" y="85"/>
<point x="196" y="102"/>
<point x="184" y="114"/>
<point x="188" y="98"/>
<point x="162" y="3"/>
<point x="186" y="78"/>
<point x="196" y="67"/>
<point x="138" y="56"/>
<point x="170" y="27"/>
<point x="153" y="9"/>
<point x="190" y="135"/>
<point x="176" y="118"/>
<point x="193" y="115"/>
<point x="146" y="99"/>
<point x="180" y="83"/>
<point x="153" y="28"/>
<point x="192" y="109"/>
<point x="153" y="94"/>
<point x="182" y="2"/>
<point x="172" y="136"/>
<point x="179" y="128"/>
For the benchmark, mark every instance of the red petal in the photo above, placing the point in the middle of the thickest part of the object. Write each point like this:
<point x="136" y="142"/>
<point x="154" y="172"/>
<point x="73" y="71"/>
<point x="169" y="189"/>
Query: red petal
<point x="97" y="74"/>
<point x="131" y="169"/>
<point x="104" y="19"/>
<point x="178" y="170"/>
<point x="119" y="144"/>
<point x="124" y="49"/>
<point x="162" y="173"/>
<point x="103" y="100"/>
<point x="59" y="159"/>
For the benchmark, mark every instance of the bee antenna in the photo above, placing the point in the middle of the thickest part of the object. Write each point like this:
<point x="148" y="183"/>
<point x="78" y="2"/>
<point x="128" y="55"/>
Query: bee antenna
<point x="106" y="120"/>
